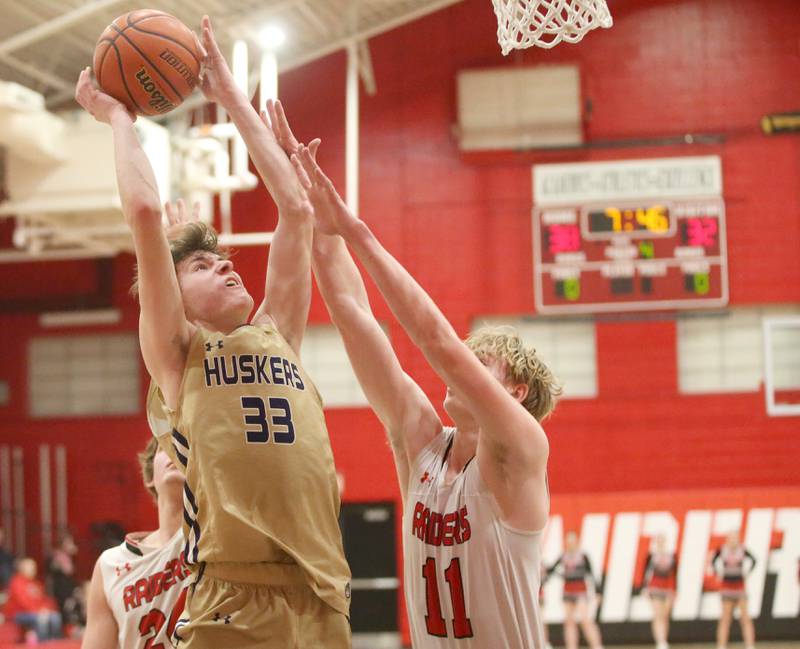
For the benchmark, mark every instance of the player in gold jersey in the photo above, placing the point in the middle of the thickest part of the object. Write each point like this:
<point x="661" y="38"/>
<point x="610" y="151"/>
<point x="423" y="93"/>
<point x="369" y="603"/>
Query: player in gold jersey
<point x="244" y="423"/>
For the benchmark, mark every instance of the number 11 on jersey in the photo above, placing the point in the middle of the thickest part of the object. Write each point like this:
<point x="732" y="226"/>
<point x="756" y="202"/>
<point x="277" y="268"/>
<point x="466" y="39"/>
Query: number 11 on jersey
<point x="435" y="623"/>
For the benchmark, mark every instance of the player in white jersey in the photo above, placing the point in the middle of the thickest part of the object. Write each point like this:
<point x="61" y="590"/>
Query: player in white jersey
<point x="475" y="496"/>
<point x="138" y="588"/>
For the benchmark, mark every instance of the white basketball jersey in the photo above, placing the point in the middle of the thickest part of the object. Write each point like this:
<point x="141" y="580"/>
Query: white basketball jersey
<point x="145" y="589"/>
<point x="471" y="582"/>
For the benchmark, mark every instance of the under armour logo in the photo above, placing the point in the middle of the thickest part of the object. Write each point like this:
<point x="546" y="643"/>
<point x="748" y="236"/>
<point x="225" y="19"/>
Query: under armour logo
<point x="425" y="477"/>
<point x="209" y="345"/>
<point x="123" y="569"/>
<point x="225" y="618"/>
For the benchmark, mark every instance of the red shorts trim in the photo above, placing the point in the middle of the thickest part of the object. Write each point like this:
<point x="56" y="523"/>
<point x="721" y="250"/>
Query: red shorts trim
<point x="662" y="583"/>
<point x="575" y="587"/>
<point x="732" y="589"/>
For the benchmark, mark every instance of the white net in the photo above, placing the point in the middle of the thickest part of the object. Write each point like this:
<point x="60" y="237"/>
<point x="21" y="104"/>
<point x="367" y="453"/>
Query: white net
<point x="545" y="23"/>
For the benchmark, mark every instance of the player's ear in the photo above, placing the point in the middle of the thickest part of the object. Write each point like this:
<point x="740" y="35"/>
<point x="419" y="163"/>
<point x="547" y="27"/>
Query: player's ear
<point x="519" y="391"/>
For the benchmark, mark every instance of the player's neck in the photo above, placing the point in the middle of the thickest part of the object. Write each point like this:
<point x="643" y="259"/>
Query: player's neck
<point x="170" y="514"/>
<point x="463" y="450"/>
<point x="223" y="325"/>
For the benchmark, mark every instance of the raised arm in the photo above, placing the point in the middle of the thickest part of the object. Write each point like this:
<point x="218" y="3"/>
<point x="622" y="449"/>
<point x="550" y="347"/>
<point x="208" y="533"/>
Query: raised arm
<point x="164" y="332"/>
<point x="288" y="282"/>
<point x="101" y="627"/>
<point x="405" y="412"/>
<point x="512" y="447"/>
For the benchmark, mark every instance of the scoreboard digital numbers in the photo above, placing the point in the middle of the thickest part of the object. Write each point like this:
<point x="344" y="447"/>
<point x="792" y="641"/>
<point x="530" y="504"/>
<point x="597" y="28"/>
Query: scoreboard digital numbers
<point x="655" y="241"/>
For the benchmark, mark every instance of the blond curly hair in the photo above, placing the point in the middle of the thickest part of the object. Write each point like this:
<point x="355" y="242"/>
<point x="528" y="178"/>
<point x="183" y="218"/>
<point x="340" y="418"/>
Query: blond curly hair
<point x="522" y="366"/>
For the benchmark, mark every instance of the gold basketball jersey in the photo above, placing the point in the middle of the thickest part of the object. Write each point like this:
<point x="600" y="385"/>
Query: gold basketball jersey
<point x="249" y="434"/>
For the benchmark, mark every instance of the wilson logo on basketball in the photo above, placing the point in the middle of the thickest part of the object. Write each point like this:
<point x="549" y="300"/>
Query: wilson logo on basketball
<point x="157" y="99"/>
<point x="180" y="67"/>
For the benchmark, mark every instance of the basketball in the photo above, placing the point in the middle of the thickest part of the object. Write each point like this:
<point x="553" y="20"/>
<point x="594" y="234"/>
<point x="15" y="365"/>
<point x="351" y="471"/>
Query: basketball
<point x="148" y="60"/>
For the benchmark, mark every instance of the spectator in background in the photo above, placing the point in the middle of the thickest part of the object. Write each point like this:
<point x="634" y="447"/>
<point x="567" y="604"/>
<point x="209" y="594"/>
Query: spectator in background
<point x="29" y="606"/>
<point x="6" y="561"/>
<point x="61" y="577"/>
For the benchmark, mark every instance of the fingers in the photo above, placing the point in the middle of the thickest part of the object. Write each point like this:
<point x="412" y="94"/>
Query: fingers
<point x="172" y="216"/>
<point x="280" y="126"/>
<point x="84" y="80"/>
<point x="313" y="147"/>
<point x="283" y="123"/>
<point x="307" y="162"/>
<point x="208" y="41"/>
<point x="267" y="121"/>
<point x="181" y="205"/>
<point x="301" y="173"/>
<point x="199" y="46"/>
<point x="315" y="172"/>
<point x="196" y="211"/>
<point x="273" y="118"/>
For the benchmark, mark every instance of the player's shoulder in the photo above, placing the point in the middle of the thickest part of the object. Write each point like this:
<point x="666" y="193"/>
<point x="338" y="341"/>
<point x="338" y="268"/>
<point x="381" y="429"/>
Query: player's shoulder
<point x="437" y="447"/>
<point x="130" y="548"/>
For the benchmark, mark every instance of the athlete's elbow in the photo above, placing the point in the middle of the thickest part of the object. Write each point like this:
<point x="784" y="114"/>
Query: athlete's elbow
<point x="440" y="341"/>
<point x="296" y="208"/>
<point x="142" y="213"/>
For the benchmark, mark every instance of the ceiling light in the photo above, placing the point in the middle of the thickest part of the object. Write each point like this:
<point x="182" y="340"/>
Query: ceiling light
<point x="271" y="37"/>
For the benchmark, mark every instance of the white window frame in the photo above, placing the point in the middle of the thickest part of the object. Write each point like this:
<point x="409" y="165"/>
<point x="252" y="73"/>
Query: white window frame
<point x="768" y="325"/>
<point x="358" y="399"/>
<point x="129" y="402"/>
<point x="759" y="313"/>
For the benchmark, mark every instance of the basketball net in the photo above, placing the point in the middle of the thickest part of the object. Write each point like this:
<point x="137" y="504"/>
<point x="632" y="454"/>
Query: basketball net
<point x="545" y="23"/>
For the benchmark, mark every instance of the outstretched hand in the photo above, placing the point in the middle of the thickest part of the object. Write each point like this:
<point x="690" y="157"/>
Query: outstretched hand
<point x="274" y="119"/>
<point x="215" y="76"/>
<point x="97" y="103"/>
<point x="178" y="215"/>
<point x="331" y="214"/>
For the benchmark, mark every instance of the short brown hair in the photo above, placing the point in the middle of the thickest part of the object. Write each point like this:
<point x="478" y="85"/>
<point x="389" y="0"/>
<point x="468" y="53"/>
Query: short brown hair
<point x="522" y="366"/>
<point x="185" y="240"/>
<point x="146" y="458"/>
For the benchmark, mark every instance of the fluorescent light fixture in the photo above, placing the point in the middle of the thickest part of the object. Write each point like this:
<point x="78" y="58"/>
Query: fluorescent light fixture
<point x="271" y="37"/>
<point x="80" y="318"/>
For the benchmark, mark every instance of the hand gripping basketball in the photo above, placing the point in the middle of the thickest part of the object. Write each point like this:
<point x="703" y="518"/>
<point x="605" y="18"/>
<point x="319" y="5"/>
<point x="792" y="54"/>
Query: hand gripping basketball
<point x="148" y="60"/>
<point x="97" y="103"/>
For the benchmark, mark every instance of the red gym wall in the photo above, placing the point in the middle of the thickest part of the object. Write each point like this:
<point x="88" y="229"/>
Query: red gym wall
<point x="462" y="227"/>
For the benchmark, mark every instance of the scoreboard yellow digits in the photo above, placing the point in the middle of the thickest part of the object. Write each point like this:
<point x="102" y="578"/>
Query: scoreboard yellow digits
<point x="654" y="219"/>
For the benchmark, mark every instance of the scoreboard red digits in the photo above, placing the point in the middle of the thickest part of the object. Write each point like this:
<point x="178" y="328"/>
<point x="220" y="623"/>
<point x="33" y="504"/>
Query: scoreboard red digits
<point x="632" y="256"/>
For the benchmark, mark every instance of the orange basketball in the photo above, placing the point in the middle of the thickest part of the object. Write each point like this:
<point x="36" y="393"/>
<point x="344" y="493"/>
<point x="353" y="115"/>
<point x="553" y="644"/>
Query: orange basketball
<point x="148" y="60"/>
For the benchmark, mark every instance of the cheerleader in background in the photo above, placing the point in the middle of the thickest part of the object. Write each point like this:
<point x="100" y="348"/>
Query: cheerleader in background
<point x="576" y="570"/>
<point x="660" y="572"/>
<point x="728" y="563"/>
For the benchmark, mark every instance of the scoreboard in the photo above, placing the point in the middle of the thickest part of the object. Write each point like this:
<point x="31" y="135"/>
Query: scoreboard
<point x="631" y="254"/>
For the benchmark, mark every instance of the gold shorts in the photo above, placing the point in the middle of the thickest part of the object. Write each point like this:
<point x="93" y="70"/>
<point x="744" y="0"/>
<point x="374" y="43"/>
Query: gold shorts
<point x="226" y="610"/>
